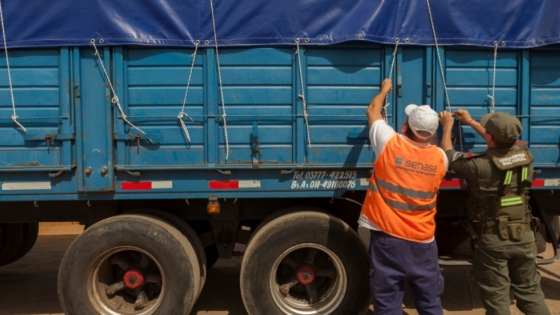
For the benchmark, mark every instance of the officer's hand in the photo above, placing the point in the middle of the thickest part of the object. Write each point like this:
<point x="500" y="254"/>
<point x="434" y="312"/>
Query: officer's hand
<point x="386" y="86"/>
<point x="446" y="119"/>
<point x="463" y="116"/>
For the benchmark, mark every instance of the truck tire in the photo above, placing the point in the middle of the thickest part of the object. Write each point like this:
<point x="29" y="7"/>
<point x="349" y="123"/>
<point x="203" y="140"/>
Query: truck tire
<point x="185" y="229"/>
<point x="12" y="237"/>
<point x="305" y="263"/>
<point x="280" y="213"/>
<point x="30" y="234"/>
<point x="129" y="264"/>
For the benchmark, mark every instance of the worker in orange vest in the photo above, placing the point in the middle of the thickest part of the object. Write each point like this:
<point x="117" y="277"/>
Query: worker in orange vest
<point x="399" y="208"/>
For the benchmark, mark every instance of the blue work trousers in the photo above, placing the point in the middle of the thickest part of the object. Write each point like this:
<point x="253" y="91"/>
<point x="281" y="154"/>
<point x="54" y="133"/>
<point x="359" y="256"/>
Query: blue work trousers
<point x="393" y="261"/>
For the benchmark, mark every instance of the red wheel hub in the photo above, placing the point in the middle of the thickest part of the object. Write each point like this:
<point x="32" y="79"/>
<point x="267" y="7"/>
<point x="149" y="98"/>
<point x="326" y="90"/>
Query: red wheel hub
<point x="306" y="274"/>
<point x="133" y="279"/>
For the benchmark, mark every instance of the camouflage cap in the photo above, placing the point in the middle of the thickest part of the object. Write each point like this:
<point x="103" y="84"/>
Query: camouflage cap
<point x="502" y="126"/>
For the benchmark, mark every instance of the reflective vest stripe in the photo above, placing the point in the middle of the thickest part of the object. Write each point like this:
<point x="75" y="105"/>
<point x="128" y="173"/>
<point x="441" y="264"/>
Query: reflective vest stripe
<point x="507" y="180"/>
<point x="405" y="191"/>
<point x="401" y="205"/>
<point x="513" y="201"/>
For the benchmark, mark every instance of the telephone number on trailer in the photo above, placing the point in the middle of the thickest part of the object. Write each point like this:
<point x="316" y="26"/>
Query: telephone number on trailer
<point x="325" y="184"/>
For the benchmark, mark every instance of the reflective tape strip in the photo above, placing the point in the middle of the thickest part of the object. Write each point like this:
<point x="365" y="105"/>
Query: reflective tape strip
<point x="162" y="184"/>
<point x="234" y="184"/>
<point x="507" y="180"/>
<point x="249" y="184"/>
<point x="27" y="186"/>
<point x="513" y="201"/>
<point x="548" y="182"/>
<point x="405" y="191"/>
<point x="453" y="182"/>
<point x="401" y="205"/>
<point x="146" y="185"/>
<point x="524" y="173"/>
<point x="364" y="181"/>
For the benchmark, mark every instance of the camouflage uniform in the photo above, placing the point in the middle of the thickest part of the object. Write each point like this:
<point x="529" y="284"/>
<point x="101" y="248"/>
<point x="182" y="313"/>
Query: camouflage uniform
<point x="504" y="249"/>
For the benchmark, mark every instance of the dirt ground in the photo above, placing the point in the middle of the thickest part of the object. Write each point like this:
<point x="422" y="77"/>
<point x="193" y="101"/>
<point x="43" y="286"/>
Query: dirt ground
<point x="28" y="286"/>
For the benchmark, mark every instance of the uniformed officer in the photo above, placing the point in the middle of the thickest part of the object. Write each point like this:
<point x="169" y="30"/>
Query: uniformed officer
<point x="500" y="220"/>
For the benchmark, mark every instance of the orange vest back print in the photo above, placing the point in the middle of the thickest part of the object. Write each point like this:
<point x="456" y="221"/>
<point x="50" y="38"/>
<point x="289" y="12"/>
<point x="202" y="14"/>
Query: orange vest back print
<point x="401" y="197"/>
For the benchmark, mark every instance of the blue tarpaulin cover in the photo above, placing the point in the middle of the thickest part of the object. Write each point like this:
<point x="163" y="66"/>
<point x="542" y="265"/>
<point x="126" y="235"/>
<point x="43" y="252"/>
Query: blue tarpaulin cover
<point x="515" y="23"/>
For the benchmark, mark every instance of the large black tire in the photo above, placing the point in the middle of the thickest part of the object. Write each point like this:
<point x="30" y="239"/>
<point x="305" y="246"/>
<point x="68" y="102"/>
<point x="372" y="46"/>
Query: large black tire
<point x="112" y="250"/>
<point x="280" y="213"/>
<point x="183" y="227"/>
<point x="30" y="234"/>
<point x="12" y="238"/>
<point x="305" y="263"/>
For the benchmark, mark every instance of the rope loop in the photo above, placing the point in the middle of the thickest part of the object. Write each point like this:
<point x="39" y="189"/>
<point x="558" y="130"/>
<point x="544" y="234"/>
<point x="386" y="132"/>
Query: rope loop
<point x="390" y="75"/>
<point x="302" y="95"/>
<point x="220" y="79"/>
<point x="114" y="99"/>
<point x="14" y="116"/>
<point x="182" y="113"/>
<point x="491" y="97"/>
<point x="442" y="72"/>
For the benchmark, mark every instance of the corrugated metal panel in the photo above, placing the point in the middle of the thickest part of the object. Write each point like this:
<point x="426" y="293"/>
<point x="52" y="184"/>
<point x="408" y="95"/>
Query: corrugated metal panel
<point x="41" y="96"/>
<point x="545" y="106"/>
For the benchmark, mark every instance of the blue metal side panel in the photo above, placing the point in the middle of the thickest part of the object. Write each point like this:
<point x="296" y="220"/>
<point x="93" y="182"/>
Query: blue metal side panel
<point x="156" y="87"/>
<point x="545" y="107"/>
<point x="258" y="96"/>
<point x="40" y="90"/>
<point x="340" y="85"/>
<point x="469" y="76"/>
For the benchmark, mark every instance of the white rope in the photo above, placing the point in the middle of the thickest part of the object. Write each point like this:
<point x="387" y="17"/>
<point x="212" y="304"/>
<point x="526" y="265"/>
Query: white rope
<point x="439" y="57"/>
<point x="14" y="115"/>
<point x="302" y="96"/>
<point x="442" y="72"/>
<point x="115" y="99"/>
<point x="220" y="80"/>
<point x="385" y="115"/>
<point x="182" y="113"/>
<point x="491" y="97"/>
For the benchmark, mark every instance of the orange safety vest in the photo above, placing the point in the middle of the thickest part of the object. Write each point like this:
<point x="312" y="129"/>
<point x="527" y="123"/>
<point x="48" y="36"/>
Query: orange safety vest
<point x="401" y="197"/>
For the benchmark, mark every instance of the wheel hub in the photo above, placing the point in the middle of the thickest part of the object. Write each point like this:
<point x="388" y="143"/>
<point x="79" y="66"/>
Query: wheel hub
<point x="306" y="274"/>
<point x="133" y="279"/>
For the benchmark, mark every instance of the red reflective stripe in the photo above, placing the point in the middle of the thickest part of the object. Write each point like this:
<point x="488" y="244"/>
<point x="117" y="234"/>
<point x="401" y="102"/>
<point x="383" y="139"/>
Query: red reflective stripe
<point x="454" y="182"/>
<point x="136" y="185"/>
<point x="234" y="184"/>
<point x="538" y="182"/>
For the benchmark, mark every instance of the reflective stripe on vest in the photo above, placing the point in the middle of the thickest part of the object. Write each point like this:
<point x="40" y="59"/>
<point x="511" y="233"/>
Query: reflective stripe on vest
<point x="403" y="191"/>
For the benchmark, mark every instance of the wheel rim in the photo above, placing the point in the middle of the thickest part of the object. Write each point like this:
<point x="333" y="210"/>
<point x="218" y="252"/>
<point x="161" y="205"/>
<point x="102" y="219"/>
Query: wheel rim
<point x="126" y="280"/>
<point x="308" y="279"/>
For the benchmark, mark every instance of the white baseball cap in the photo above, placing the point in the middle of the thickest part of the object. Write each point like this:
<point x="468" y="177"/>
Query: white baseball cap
<point x="422" y="118"/>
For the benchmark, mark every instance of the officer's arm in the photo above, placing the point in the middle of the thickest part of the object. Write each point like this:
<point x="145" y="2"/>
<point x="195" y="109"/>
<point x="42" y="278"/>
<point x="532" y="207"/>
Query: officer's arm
<point x="466" y="119"/>
<point x="374" y="109"/>
<point x="446" y="121"/>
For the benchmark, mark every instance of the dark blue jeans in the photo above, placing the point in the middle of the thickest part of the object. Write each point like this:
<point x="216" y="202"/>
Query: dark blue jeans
<point x="393" y="261"/>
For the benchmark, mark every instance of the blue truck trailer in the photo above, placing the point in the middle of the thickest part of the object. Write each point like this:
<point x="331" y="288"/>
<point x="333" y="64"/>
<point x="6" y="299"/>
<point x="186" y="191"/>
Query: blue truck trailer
<point x="178" y="129"/>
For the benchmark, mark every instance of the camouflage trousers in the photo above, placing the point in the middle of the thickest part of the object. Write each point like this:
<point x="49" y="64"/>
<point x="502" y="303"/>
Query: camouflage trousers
<point x="503" y="268"/>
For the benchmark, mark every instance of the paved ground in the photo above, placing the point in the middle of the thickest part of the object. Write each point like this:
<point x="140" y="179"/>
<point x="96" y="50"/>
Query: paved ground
<point x="29" y="285"/>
